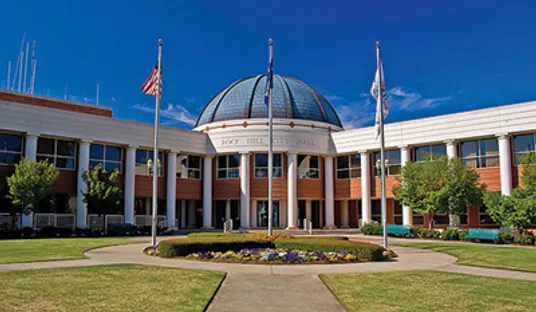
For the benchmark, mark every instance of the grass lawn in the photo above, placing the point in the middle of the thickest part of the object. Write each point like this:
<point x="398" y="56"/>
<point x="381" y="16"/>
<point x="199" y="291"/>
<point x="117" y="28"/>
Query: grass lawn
<point x="500" y="257"/>
<point x="28" y="250"/>
<point x="430" y="291"/>
<point x="108" y="288"/>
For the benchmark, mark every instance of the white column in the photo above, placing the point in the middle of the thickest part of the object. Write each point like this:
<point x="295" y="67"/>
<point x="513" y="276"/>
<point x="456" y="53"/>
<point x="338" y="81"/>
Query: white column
<point x="228" y="209"/>
<point x="30" y="152"/>
<point x="505" y="160"/>
<point x="183" y="213"/>
<point x="207" y="192"/>
<point x="292" y="190"/>
<point x="452" y="152"/>
<point x="344" y="214"/>
<point x="130" y="184"/>
<point x="83" y="166"/>
<point x="328" y="191"/>
<point x="171" y="192"/>
<point x="308" y="210"/>
<point x="407" y="214"/>
<point x="244" y="190"/>
<point x="366" y="205"/>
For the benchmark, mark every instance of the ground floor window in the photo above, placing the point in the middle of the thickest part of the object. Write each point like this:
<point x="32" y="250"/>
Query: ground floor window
<point x="398" y="213"/>
<point x="376" y="211"/>
<point x="418" y="219"/>
<point x="262" y="213"/>
<point x="483" y="216"/>
<point x="441" y="219"/>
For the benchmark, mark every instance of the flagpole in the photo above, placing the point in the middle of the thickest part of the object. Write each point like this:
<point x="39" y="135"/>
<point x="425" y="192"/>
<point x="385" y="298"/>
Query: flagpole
<point x="155" y="141"/>
<point x="270" y="143"/>
<point x="382" y="148"/>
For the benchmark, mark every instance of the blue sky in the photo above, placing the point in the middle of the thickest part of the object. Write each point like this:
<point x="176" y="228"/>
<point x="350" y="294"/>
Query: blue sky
<point x="438" y="58"/>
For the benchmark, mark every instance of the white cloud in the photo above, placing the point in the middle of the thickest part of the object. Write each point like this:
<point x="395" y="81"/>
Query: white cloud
<point x="399" y="99"/>
<point x="333" y="97"/>
<point x="173" y="113"/>
<point x="355" y="114"/>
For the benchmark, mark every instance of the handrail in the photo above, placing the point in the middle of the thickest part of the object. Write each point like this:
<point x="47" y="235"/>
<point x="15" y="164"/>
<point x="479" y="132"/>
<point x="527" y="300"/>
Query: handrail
<point x="228" y="226"/>
<point x="308" y="226"/>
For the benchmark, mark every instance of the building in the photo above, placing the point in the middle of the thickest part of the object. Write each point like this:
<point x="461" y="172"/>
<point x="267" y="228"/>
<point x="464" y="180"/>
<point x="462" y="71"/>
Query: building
<point x="218" y="170"/>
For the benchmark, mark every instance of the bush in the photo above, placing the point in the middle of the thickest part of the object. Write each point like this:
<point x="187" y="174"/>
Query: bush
<point x="450" y="234"/>
<point x="226" y="242"/>
<point x="372" y="229"/>
<point x="463" y="234"/>
<point x="121" y="229"/>
<point x="275" y="236"/>
<point x="414" y="232"/>
<point x="524" y="239"/>
<point x="364" y="251"/>
<point x="48" y="232"/>
<point x="506" y="237"/>
<point x="429" y="233"/>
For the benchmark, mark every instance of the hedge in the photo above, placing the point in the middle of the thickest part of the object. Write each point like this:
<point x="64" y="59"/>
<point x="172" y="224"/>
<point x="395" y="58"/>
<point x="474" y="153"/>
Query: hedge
<point x="364" y="251"/>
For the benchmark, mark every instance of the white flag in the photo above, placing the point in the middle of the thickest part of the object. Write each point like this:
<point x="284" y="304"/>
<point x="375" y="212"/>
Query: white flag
<point x="381" y="102"/>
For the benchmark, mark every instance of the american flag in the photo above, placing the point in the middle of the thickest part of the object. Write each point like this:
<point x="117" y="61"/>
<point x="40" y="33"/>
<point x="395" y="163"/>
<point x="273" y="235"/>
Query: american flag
<point x="151" y="85"/>
<point x="269" y="81"/>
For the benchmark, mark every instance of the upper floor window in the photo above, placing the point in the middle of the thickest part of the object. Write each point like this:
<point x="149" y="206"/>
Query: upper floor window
<point x="349" y="166"/>
<point x="109" y="156"/>
<point x="392" y="162"/>
<point x="189" y="167"/>
<point x="10" y="148"/>
<point x="261" y="165"/>
<point x="142" y="163"/>
<point x="228" y="166"/>
<point x="421" y="152"/>
<point x="522" y="144"/>
<point x="61" y="153"/>
<point x="480" y="153"/>
<point x="308" y="167"/>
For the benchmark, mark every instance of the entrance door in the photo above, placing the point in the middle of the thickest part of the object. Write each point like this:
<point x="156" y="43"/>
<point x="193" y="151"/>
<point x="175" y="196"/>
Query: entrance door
<point x="262" y="213"/>
<point x="315" y="207"/>
<point x="219" y="213"/>
<point x="302" y="214"/>
<point x="235" y="213"/>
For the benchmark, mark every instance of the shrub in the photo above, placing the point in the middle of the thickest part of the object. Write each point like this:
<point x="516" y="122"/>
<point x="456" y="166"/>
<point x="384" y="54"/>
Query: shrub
<point x="506" y="237"/>
<point x="275" y="236"/>
<point x="463" y="233"/>
<point x="429" y="233"/>
<point x="524" y="239"/>
<point x="450" y="234"/>
<point x="364" y="251"/>
<point x="372" y="229"/>
<point x="414" y="232"/>
<point x="233" y="242"/>
<point x="48" y="232"/>
<point x="121" y="229"/>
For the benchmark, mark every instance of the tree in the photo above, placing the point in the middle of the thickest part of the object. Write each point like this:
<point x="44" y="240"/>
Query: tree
<point x="519" y="209"/>
<point x="103" y="194"/>
<point x="31" y="183"/>
<point x="438" y="185"/>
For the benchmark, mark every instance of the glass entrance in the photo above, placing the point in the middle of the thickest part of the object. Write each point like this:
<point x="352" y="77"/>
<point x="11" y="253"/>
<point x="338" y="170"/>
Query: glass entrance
<point x="302" y="213"/>
<point x="262" y="213"/>
<point x="317" y="213"/>
<point x="235" y="213"/>
<point x="219" y="213"/>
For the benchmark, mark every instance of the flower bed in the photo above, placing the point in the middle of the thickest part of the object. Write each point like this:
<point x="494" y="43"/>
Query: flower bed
<point x="270" y="255"/>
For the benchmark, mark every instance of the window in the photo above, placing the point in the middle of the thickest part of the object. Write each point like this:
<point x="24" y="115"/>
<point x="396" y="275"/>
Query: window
<point x="308" y="167"/>
<point x="392" y="163"/>
<point x="441" y="219"/>
<point x="261" y="166"/>
<point x="142" y="159"/>
<point x="61" y="153"/>
<point x="523" y="144"/>
<point x="483" y="216"/>
<point x="376" y="208"/>
<point x="437" y="150"/>
<point x="398" y="213"/>
<point x="418" y="219"/>
<point x="108" y="156"/>
<point x="480" y="153"/>
<point x="189" y="167"/>
<point x="10" y="149"/>
<point x="228" y="166"/>
<point x="349" y="166"/>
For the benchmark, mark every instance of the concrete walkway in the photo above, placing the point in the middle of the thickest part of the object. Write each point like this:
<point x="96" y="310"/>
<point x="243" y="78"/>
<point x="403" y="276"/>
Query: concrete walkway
<point x="250" y="287"/>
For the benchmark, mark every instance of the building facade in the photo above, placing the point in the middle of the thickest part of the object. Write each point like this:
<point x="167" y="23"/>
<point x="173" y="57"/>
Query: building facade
<point x="218" y="170"/>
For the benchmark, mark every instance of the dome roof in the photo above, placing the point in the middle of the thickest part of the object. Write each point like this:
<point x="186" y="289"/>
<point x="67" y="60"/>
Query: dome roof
<point x="291" y="98"/>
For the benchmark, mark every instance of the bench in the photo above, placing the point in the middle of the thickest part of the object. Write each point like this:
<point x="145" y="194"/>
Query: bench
<point x="396" y="229"/>
<point x="482" y="234"/>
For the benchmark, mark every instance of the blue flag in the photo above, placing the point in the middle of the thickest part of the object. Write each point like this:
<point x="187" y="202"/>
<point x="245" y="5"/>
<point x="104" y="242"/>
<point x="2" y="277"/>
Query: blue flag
<point x="269" y="81"/>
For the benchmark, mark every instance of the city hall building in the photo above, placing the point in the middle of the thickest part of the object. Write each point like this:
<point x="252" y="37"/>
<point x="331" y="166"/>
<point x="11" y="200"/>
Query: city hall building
<point x="218" y="170"/>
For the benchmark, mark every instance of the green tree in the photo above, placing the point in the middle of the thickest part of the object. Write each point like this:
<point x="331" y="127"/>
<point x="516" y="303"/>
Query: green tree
<point x="438" y="185"/>
<point x="103" y="194"/>
<point x="519" y="209"/>
<point x="30" y="183"/>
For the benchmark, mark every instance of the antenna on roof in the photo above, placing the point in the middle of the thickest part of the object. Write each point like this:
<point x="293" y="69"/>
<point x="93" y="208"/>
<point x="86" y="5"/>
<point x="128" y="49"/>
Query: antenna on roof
<point x="34" y="69"/>
<point x="98" y="87"/>
<point x="8" y="74"/>
<point x="19" y="63"/>
<point x="26" y="68"/>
